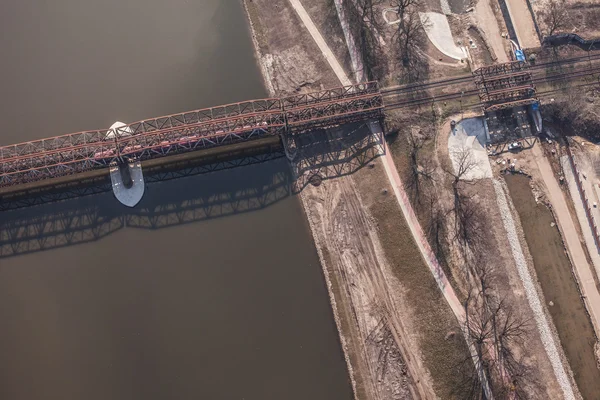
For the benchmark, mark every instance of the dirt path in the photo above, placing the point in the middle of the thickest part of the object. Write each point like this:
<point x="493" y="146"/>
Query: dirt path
<point x="342" y="227"/>
<point x="318" y="38"/>
<point x="375" y="339"/>
<point x="569" y="233"/>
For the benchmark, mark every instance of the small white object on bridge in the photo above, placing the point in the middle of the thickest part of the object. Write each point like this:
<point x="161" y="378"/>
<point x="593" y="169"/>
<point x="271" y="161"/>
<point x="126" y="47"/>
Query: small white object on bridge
<point x="112" y="131"/>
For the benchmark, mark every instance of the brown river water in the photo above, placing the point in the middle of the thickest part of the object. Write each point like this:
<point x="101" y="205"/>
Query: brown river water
<point x="211" y="287"/>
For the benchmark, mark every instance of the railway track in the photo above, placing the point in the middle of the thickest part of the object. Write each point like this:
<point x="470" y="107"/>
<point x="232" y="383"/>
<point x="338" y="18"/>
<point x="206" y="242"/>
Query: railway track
<point x="417" y="95"/>
<point x="468" y="78"/>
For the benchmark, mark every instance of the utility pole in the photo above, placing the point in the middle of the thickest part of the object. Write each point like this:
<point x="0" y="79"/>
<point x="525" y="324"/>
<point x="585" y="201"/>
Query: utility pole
<point x="462" y="114"/>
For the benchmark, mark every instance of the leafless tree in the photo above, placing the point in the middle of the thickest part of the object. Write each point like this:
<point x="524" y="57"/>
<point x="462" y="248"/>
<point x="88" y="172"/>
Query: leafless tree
<point x="366" y="26"/>
<point x="366" y="10"/>
<point x="464" y="164"/>
<point x="401" y="7"/>
<point x="410" y="36"/>
<point x="466" y="211"/>
<point x="496" y="332"/>
<point x="555" y="17"/>
<point x="577" y="115"/>
<point x="421" y="170"/>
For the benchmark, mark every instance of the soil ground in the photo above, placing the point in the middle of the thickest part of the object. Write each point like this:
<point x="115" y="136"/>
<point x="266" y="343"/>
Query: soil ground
<point x="398" y="333"/>
<point x="583" y="17"/>
<point x="558" y="284"/>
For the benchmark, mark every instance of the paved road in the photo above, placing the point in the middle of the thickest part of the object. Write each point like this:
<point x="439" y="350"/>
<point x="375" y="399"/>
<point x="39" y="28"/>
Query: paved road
<point x="489" y="25"/>
<point x="523" y="23"/>
<point x="570" y="236"/>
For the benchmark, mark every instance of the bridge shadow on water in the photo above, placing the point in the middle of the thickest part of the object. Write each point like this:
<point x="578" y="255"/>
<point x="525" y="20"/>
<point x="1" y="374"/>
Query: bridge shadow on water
<point x="165" y="204"/>
<point x="323" y="154"/>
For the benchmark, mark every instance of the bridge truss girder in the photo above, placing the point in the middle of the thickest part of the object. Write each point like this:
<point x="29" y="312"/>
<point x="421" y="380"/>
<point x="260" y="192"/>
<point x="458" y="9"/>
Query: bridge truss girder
<point x="502" y="86"/>
<point x="183" y="132"/>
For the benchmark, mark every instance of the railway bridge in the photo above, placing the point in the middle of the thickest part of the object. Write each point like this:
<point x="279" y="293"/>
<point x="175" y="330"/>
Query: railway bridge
<point x="494" y="87"/>
<point x="79" y="152"/>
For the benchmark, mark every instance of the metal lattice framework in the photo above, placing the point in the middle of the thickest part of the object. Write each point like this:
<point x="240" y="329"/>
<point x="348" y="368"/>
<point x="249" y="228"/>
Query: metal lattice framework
<point x="505" y="85"/>
<point x="184" y="132"/>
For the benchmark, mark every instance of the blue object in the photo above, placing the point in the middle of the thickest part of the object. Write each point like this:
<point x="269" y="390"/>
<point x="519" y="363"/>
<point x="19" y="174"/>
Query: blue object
<point x="520" y="55"/>
<point x="535" y="106"/>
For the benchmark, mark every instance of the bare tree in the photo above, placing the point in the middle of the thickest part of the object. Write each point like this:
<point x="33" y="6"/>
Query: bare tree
<point x="470" y="226"/>
<point x="577" y="115"/>
<point x="496" y="332"/>
<point x="366" y="10"/>
<point x="366" y="27"/>
<point x="411" y="36"/>
<point x="463" y="165"/>
<point x="555" y="17"/>
<point x="401" y="6"/>
<point x="421" y="170"/>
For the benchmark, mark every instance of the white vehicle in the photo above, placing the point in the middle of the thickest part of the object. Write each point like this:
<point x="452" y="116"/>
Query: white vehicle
<point x="514" y="146"/>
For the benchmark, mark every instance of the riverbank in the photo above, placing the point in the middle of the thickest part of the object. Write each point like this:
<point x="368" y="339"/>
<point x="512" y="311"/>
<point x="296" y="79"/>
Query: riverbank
<point x="399" y="336"/>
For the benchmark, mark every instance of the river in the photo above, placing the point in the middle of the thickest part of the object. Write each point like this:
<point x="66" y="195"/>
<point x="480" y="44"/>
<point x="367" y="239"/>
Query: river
<point x="209" y="289"/>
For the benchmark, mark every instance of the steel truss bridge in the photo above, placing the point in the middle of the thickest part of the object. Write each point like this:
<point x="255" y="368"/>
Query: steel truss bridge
<point x="505" y="85"/>
<point x="194" y="130"/>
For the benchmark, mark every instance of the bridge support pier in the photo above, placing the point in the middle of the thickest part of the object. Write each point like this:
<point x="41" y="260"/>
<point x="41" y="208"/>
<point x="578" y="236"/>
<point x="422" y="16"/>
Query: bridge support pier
<point x="128" y="182"/>
<point x="289" y="146"/>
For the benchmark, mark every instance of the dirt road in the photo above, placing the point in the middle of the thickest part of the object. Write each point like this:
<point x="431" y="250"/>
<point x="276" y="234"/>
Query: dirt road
<point x="343" y="229"/>
<point x="428" y="255"/>
<point x="318" y="38"/>
<point x="569" y="233"/>
<point x="523" y="23"/>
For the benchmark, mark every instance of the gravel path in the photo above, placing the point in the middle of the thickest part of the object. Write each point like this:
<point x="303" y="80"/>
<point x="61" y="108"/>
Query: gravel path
<point x="532" y="295"/>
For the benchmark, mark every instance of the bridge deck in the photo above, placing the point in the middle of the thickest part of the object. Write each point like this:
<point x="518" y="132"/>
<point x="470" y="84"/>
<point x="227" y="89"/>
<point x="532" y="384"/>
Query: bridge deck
<point x="194" y="130"/>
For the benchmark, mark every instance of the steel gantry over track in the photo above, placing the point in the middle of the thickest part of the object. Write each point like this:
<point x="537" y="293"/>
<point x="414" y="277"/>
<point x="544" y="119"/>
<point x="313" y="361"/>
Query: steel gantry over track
<point x="194" y="130"/>
<point x="505" y="85"/>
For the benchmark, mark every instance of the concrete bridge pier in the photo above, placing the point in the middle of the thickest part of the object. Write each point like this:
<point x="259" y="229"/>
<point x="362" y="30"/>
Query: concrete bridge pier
<point x="128" y="182"/>
<point x="126" y="176"/>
